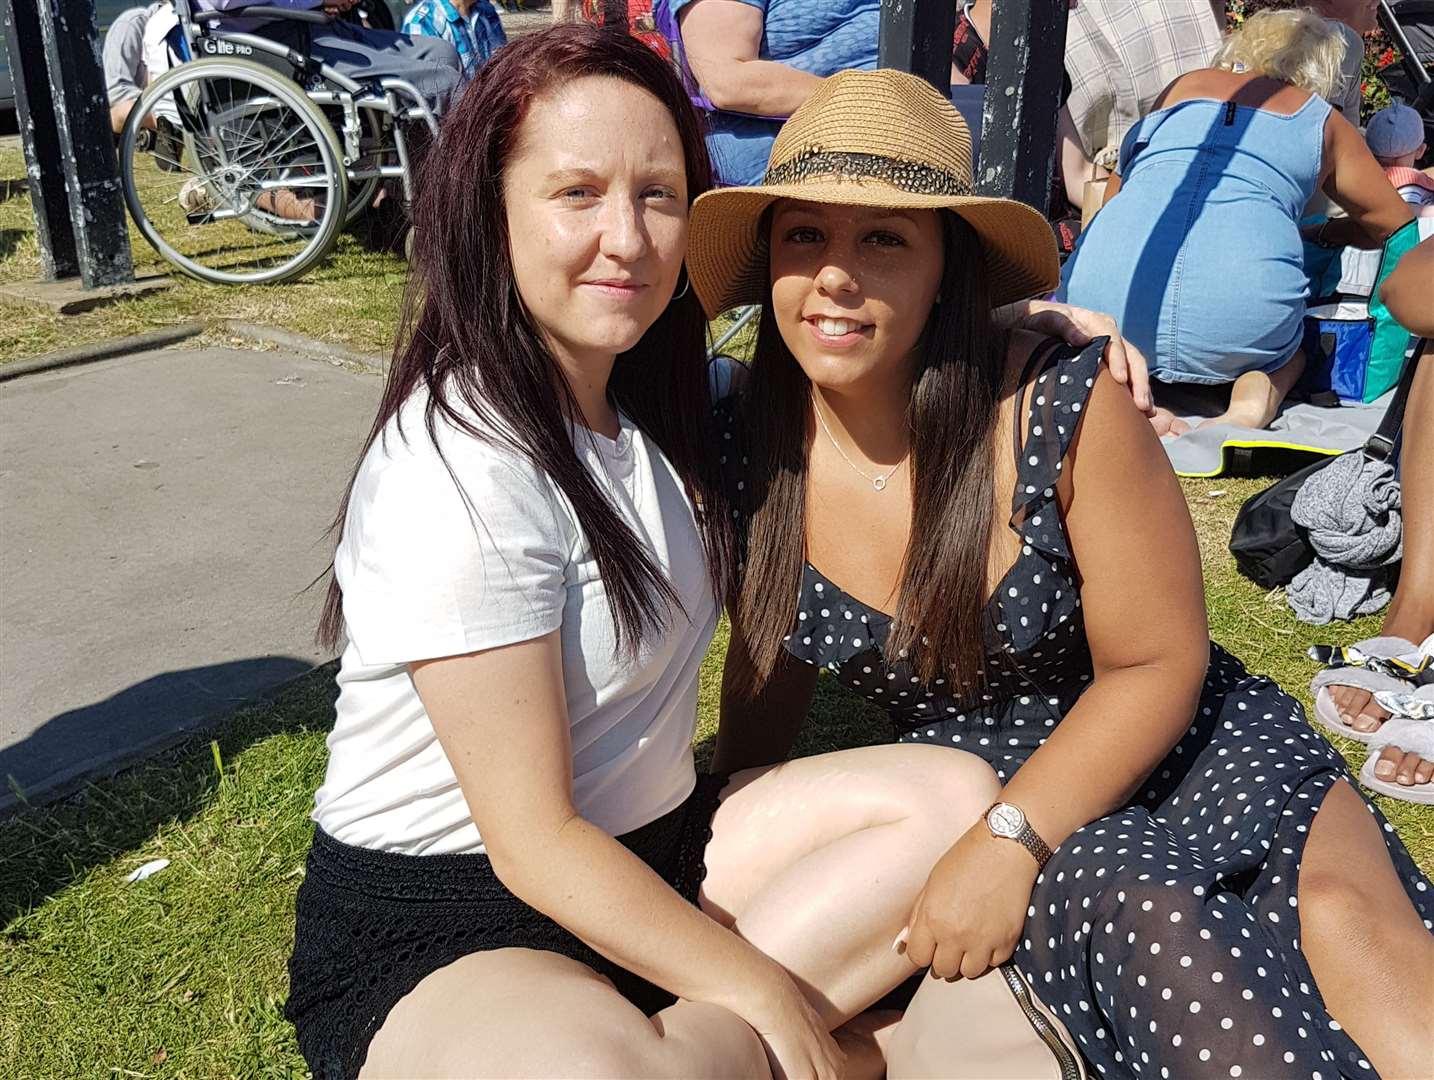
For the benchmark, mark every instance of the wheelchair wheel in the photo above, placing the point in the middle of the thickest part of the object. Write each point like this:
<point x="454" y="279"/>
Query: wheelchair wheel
<point x="258" y="193"/>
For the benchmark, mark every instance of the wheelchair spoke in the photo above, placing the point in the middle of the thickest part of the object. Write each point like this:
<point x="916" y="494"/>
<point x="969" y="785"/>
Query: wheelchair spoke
<point x="270" y="152"/>
<point x="251" y="188"/>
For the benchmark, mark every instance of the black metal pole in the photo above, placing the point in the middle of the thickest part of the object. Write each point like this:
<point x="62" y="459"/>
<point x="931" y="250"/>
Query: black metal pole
<point x="35" y="114"/>
<point x="82" y="172"/>
<point x="916" y="37"/>
<point x="1023" y="92"/>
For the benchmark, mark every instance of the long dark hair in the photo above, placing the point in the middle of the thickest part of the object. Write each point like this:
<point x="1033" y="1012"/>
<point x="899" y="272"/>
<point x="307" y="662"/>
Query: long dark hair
<point x="939" y="620"/>
<point x="469" y="341"/>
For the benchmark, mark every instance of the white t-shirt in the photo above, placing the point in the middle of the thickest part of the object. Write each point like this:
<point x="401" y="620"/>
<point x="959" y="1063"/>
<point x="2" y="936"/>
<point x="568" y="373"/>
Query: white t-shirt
<point x="422" y="577"/>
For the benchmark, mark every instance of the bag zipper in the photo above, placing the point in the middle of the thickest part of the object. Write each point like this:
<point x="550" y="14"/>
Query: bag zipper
<point x="1065" y="1059"/>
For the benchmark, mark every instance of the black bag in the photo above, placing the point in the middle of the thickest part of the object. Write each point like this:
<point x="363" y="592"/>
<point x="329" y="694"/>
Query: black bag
<point x="1269" y="548"/>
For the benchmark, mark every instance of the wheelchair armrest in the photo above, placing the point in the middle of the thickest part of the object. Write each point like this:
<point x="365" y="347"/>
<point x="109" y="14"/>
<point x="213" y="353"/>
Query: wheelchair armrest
<point x="263" y="11"/>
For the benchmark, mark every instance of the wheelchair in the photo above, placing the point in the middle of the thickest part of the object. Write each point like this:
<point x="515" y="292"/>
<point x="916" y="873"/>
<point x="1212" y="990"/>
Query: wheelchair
<point x="262" y="155"/>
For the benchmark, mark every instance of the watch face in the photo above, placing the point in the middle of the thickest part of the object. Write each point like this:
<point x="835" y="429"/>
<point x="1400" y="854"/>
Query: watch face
<point x="1005" y="819"/>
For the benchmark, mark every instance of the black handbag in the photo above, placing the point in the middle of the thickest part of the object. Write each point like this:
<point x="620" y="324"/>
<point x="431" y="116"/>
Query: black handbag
<point x="1269" y="548"/>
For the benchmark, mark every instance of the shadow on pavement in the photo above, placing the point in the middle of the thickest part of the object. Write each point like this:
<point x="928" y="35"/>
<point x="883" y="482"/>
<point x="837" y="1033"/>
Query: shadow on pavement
<point x="106" y="735"/>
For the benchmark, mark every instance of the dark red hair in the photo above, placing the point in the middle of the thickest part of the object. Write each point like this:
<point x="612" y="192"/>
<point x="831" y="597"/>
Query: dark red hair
<point x="469" y="341"/>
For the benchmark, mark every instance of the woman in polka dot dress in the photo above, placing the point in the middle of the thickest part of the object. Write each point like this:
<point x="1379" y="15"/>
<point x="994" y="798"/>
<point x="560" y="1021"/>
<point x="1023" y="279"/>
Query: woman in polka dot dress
<point x="982" y="535"/>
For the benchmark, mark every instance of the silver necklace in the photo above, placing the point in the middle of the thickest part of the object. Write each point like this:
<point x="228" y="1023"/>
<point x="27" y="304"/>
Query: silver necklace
<point x="877" y="482"/>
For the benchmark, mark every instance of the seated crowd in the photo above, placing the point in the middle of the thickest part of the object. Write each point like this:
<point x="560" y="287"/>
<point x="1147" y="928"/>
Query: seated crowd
<point x="930" y="483"/>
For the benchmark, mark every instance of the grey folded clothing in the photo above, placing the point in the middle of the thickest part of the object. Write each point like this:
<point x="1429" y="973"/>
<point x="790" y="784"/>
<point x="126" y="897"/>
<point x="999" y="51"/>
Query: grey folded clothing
<point x="1350" y="509"/>
<point x="1322" y="592"/>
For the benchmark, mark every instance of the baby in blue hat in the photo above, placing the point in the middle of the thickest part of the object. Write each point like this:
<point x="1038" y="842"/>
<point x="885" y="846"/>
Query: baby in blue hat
<point x="1396" y="138"/>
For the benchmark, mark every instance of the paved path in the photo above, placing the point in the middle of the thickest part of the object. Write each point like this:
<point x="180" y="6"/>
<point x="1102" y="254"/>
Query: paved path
<point x="160" y="515"/>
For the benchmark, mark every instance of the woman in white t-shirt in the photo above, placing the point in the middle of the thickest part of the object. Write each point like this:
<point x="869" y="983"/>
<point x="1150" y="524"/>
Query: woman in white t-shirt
<point x="511" y="835"/>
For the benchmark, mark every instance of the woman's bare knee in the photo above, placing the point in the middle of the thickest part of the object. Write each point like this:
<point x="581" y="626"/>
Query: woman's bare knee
<point x="511" y="1013"/>
<point x="1348" y="890"/>
<point x="949" y="789"/>
<point x="526" y="1013"/>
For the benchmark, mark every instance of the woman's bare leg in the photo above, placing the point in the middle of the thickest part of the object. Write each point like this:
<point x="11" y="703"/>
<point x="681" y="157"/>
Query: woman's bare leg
<point x="817" y="861"/>
<point x="282" y="202"/>
<point x="1255" y="397"/>
<point x="1366" y="945"/>
<point x="1411" y="612"/>
<point x="514" y="1013"/>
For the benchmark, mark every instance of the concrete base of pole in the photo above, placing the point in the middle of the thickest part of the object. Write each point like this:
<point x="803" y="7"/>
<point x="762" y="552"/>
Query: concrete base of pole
<point x="69" y="297"/>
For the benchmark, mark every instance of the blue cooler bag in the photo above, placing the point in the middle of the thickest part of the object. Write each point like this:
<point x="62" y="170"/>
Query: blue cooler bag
<point x="1353" y="346"/>
<point x="1337" y="344"/>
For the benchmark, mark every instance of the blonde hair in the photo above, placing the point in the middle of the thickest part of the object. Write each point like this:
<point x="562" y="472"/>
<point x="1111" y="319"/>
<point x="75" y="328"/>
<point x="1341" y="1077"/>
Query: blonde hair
<point x="1295" y="47"/>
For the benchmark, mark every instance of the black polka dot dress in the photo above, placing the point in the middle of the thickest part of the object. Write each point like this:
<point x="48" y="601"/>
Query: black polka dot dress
<point x="1167" y="934"/>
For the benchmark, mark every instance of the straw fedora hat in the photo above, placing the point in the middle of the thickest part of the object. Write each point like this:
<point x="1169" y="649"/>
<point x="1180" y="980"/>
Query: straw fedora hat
<point x="867" y="138"/>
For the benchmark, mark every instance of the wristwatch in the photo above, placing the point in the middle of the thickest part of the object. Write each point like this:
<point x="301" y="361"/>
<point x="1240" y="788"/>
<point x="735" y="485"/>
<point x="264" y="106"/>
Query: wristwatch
<point x="1008" y="822"/>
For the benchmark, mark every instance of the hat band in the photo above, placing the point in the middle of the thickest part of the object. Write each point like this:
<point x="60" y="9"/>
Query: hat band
<point x="909" y="176"/>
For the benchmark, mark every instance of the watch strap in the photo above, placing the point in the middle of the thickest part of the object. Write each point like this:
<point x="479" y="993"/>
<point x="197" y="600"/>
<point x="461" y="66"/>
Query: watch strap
<point x="1027" y="837"/>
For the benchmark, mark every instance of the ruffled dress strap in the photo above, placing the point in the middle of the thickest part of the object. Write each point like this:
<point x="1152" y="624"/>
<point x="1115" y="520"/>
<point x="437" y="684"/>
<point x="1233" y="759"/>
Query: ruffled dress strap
<point x="1060" y="378"/>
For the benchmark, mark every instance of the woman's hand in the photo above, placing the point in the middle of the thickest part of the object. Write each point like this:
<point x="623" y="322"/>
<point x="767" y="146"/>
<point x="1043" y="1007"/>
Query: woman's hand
<point x="796" y="1039"/>
<point x="969" y="916"/>
<point x="1077" y="326"/>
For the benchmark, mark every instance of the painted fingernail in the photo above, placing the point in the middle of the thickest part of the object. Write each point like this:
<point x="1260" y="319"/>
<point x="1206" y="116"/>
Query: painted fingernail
<point x="899" y="945"/>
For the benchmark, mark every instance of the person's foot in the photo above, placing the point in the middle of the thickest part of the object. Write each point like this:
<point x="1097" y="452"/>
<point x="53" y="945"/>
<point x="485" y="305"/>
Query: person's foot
<point x="1246" y="412"/>
<point x="1255" y="397"/>
<point x="168" y="145"/>
<point x="1166" y="424"/>
<point x="281" y="202"/>
<point x="1405" y="768"/>
<point x="195" y="196"/>
<point x="1359" y="710"/>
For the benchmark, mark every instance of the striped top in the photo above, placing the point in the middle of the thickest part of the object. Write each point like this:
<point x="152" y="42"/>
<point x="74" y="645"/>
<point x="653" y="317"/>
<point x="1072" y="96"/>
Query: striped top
<point x="476" y="36"/>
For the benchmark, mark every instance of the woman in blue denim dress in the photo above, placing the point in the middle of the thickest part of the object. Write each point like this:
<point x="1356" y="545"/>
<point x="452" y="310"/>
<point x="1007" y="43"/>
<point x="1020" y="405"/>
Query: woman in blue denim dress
<point x="1200" y="258"/>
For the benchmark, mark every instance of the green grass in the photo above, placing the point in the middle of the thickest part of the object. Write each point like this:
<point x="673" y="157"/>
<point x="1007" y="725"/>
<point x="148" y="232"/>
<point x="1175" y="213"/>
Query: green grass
<point x="352" y="297"/>
<point x="183" y="975"/>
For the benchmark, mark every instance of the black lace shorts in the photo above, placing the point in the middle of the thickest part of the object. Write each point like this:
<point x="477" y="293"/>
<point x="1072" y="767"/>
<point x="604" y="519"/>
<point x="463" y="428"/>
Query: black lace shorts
<point x="371" y="925"/>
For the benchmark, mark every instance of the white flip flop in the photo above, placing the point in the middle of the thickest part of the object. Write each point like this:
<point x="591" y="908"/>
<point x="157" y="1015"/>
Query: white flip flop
<point x="1378" y="665"/>
<point x="1410" y="728"/>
